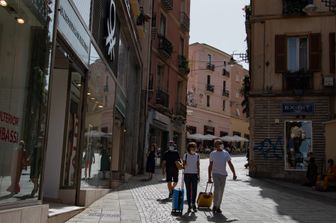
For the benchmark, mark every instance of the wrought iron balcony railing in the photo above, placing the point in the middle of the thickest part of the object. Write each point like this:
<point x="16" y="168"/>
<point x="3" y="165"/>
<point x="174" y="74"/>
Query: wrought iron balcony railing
<point x="162" y="98"/>
<point x="226" y="73"/>
<point x="181" y="110"/>
<point x="226" y="93"/>
<point x="185" y="22"/>
<point x="167" y="4"/>
<point x="183" y="64"/>
<point x="210" y="66"/>
<point x="210" y="87"/>
<point x="298" y="81"/>
<point x="294" y="7"/>
<point x="165" y="46"/>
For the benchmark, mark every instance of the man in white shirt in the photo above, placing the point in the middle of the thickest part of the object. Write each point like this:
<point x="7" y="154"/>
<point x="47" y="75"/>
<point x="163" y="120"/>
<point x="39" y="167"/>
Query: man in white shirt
<point x="217" y="169"/>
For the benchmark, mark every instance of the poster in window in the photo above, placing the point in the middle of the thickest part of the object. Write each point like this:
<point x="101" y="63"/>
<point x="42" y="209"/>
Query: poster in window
<point x="298" y="143"/>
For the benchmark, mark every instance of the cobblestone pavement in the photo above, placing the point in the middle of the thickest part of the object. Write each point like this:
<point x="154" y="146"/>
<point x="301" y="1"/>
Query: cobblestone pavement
<point x="245" y="200"/>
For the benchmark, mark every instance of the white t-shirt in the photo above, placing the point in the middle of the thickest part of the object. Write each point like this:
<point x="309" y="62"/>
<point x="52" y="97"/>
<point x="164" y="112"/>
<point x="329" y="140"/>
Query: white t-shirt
<point x="219" y="159"/>
<point x="191" y="165"/>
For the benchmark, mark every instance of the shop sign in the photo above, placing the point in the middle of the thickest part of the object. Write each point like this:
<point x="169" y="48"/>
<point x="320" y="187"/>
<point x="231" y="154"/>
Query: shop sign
<point x="162" y="118"/>
<point x="298" y="108"/>
<point x="7" y="123"/>
<point x="111" y="30"/>
<point x="73" y="30"/>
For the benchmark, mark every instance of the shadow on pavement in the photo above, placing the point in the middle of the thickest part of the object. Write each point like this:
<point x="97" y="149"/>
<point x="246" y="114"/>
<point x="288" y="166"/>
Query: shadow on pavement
<point x="294" y="202"/>
<point x="219" y="218"/>
<point x="187" y="217"/>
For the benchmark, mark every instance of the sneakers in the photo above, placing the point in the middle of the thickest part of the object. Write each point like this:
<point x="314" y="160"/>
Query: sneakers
<point x="170" y="196"/>
<point x="216" y="210"/>
<point x="194" y="208"/>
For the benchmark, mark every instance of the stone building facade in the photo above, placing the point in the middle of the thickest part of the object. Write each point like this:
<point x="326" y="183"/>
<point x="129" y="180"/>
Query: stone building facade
<point x="292" y="68"/>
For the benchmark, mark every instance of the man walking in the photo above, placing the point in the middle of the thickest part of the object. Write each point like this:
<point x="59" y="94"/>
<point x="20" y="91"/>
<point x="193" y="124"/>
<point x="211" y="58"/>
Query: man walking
<point x="169" y="168"/>
<point x="217" y="169"/>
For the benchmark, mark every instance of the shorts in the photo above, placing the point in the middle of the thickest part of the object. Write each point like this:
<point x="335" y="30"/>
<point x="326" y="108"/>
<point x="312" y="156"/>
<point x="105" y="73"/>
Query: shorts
<point x="172" y="175"/>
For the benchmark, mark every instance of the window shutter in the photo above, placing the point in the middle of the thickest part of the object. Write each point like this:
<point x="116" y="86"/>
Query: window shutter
<point x="332" y="57"/>
<point x="280" y="54"/>
<point x="315" y="52"/>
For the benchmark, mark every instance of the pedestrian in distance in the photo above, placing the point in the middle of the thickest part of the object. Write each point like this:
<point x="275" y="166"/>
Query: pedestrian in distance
<point x="170" y="161"/>
<point x="191" y="174"/>
<point x="217" y="171"/>
<point x="150" y="164"/>
<point x="311" y="174"/>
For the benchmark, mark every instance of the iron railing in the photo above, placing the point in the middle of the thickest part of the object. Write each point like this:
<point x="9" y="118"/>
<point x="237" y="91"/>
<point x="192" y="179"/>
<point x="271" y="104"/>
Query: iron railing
<point x="162" y="98"/>
<point x="185" y="22"/>
<point x="167" y="4"/>
<point x="165" y="46"/>
<point x="210" y="87"/>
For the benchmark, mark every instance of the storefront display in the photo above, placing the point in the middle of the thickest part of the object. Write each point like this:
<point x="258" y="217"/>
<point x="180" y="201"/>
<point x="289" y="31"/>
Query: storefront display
<point x="25" y="34"/>
<point x="298" y="138"/>
<point x="98" y="127"/>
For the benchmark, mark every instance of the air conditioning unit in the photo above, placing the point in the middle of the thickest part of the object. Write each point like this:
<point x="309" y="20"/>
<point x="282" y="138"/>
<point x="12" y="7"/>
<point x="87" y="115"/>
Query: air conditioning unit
<point x="328" y="81"/>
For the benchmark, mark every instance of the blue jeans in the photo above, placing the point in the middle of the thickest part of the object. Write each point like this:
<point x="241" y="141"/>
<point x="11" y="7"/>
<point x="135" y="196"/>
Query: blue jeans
<point x="191" y="181"/>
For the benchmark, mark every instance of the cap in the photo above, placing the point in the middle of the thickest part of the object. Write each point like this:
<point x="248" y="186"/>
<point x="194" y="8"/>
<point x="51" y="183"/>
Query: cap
<point x="217" y="141"/>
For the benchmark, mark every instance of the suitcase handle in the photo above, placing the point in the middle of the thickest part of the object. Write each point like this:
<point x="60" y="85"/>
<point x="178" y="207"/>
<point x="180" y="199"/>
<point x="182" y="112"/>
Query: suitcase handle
<point x="206" y="188"/>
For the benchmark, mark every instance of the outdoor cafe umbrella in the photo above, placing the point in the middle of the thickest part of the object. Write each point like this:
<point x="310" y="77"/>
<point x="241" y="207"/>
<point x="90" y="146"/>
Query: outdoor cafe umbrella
<point x="95" y="133"/>
<point x="196" y="136"/>
<point x="227" y="138"/>
<point x="210" y="137"/>
<point x="236" y="138"/>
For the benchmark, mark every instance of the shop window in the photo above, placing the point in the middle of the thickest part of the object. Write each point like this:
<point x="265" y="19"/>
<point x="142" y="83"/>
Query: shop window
<point x="96" y="158"/>
<point x="24" y="89"/>
<point x="298" y="143"/>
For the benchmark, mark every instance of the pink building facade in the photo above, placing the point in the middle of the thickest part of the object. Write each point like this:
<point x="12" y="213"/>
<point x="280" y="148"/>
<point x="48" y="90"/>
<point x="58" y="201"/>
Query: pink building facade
<point x="213" y="93"/>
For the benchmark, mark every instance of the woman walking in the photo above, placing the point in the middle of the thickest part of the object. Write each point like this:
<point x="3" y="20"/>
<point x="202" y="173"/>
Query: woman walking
<point x="191" y="174"/>
<point x="150" y="167"/>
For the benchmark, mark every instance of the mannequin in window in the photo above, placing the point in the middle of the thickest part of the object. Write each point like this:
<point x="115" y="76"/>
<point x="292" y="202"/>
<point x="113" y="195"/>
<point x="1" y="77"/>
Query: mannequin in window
<point x="297" y="135"/>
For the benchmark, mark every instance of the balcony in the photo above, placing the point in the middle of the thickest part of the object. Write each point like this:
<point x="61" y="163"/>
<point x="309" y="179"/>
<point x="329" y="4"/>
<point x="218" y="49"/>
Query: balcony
<point x="210" y="87"/>
<point x="226" y="73"/>
<point x="162" y="98"/>
<point x="185" y="22"/>
<point x="294" y="7"/>
<point x="298" y="81"/>
<point x="181" y="110"/>
<point x="167" y="4"/>
<point x="165" y="46"/>
<point x="226" y="93"/>
<point x="183" y="64"/>
<point x="210" y="66"/>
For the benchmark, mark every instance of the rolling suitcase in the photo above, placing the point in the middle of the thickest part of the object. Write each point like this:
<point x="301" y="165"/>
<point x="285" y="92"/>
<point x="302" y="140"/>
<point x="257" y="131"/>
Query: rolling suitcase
<point x="178" y="199"/>
<point x="204" y="199"/>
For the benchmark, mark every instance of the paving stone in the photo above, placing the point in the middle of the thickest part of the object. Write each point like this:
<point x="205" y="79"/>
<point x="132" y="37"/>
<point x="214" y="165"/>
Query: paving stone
<point x="246" y="200"/>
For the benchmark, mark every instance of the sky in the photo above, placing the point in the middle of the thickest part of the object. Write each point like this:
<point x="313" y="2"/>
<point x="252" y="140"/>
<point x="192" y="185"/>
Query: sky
<point x="219" y="23"/>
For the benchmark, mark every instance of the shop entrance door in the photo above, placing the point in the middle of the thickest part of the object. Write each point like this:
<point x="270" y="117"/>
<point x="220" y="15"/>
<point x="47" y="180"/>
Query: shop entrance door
<point x="64" y="127"/>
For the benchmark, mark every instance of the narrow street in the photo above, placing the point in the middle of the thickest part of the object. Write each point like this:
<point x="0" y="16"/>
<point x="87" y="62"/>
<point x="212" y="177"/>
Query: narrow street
<point x="245" y="200"/>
